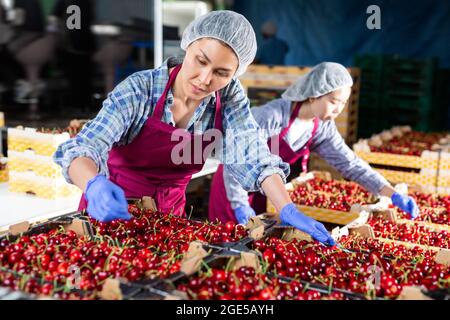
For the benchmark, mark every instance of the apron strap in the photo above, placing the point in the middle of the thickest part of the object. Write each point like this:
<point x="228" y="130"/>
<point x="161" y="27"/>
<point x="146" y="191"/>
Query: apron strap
<point x="294" y="115"/>
<point x="218" y="124"/>
<point x="306" y="150"/>
<point x="159" y="108"/>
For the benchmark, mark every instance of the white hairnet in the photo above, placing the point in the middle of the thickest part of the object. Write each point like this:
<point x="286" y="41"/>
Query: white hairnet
<point x="230" y="27"/>
<point x="269" y="28"/>
<point x="321" y="80"/>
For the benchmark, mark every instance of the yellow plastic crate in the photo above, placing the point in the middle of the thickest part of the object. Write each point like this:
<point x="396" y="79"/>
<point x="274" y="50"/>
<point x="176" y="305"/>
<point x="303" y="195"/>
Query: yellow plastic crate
<point x="266" y="69"/>
<point x="408" y="177"/>
<point x="429" y="184"/>
<point x="444" y="181"/>
<point x="4" y="175"/>
<point x="29" y="161"/>
<point x="323" y="215"/>
<point x="44" y="144"/>
<point x="445" y="161"/>
<point x="319" y="214"/>
<point x="397" y="160"/>
<point x="28" y="182"/>
<point x="443" y="191"/>
<point x="3" y="169"/>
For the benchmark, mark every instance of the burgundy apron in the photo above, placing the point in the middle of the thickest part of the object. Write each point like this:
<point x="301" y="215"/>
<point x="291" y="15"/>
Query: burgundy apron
<point x="145" y="167"/>
<point x="219" y="206"/>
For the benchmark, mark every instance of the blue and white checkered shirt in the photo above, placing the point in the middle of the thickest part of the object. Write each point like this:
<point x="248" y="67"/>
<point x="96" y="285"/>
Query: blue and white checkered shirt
<point x="127" y="107"/>
<point x="327" y="142"/>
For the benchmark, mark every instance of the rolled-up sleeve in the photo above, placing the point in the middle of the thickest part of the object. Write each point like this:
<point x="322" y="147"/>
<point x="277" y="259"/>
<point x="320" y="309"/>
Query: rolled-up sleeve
<point x="109" y="127"/>
<point x="246" y="154"/>
<point x="331" y="147"/>
<point x="236" y="195"/>
<point x="270" y="118"/>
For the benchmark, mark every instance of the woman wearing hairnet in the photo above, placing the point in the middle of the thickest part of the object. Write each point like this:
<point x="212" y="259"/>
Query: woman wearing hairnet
<point x="127" y="149"/>
<point x="302" y="121"/>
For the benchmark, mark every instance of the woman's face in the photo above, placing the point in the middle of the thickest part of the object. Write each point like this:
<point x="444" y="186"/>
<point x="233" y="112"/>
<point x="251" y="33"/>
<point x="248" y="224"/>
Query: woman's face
<point x="208" y="66"/>
<point x="329" y="106"/>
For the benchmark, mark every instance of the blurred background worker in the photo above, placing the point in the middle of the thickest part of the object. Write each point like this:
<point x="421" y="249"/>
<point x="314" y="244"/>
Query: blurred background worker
<point x="10" y="69"/>
<point x="300" y="122"/>
<point x="272" y="49"/>
<point x="32" y="47"/>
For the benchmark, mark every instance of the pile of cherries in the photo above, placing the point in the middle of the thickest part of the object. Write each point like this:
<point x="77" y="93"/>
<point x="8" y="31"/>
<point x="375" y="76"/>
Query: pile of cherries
<point x="246" y="284"/>
<point x="433" y="208"/>
<point x="413" y="233"/>
<point x="432" y="200"/>
<point x="333" y="194"/>
<point x="352" y="271"/>
<point x="35" y="286"/>
<point x="430" y="215"/>
<point x="164" y="232"/>
<point x="412" y="143"/>
<point x="387" y="250"/>
<point x="56" y="256"/>
<point x="148" y="245"/>
<point x="72" y="129"/>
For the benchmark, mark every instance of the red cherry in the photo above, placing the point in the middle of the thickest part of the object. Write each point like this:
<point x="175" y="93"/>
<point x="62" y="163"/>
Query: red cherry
<point x="269" y="256"/>
<point x="63" y="268"/>
<point x="75" y="255"/>
<point x="229" y="226"/>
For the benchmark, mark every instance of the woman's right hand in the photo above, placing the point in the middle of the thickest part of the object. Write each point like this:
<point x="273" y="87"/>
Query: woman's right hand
<point x="106" y="200"/>
<point x="292" y="216"/>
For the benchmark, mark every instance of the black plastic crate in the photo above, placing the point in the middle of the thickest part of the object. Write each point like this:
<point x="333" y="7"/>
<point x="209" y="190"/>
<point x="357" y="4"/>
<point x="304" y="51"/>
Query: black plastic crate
<point x="53" y="223"/>
<point x="8" y="294"/>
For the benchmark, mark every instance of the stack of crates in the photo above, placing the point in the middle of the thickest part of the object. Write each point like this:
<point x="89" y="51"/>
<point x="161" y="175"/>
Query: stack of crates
<point x="31" y="166"/>
<point x="408" y="92"/>
<point x="430" y="170"/>
<point x="370" y="106"/>
<point x="395" y="91"/>
<point x="441" y="114"/>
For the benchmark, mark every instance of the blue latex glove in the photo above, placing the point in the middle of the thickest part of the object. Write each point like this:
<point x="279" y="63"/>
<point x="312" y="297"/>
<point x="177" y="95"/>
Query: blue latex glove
<point x="292" y="216"/>
<point x="405" y="203"/>
<point x="106" y="201"/>
<point x="243" y="214"/>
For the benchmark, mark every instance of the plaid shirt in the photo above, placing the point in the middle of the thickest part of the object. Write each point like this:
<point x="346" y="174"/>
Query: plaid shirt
<point x="127" y="107"/>
<point x="327" y="142"/>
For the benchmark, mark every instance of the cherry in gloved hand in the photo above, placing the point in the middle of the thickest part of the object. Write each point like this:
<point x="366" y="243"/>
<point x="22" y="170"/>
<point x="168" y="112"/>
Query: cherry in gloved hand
<point x="290" y="215"/>
<point x="106" y="200"/>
